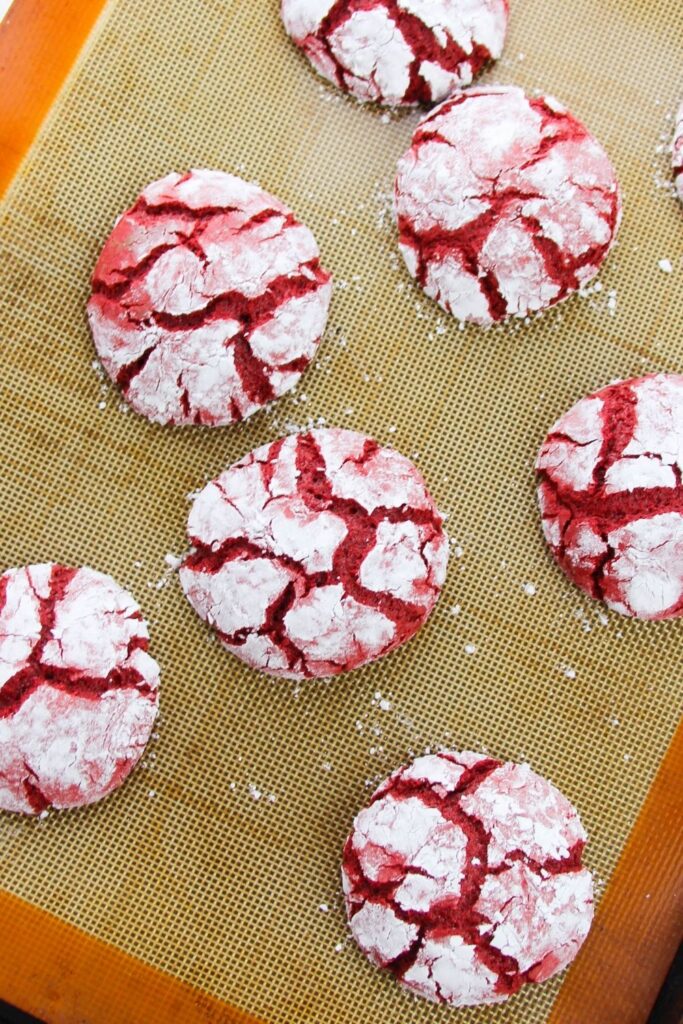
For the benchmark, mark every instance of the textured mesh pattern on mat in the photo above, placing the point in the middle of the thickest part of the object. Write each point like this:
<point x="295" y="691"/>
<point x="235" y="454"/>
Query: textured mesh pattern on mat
<point x="205" y="878"/>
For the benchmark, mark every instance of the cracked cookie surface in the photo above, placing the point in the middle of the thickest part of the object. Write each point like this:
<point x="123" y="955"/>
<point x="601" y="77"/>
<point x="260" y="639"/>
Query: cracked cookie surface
<point x="611" y="495"/>
<point x="208" y="300"/>
<point x="505" y="204"/>
<point x="398" y="52"/>
<point x="315" y="554"/>
<point x="78" y="690"/>
<point x="463" y="878"/>
<point x="678" y="152"/>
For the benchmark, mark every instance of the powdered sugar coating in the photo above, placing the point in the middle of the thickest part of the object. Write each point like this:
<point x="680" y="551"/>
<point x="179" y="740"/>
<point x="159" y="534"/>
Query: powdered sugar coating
<point x="315" y="554"/>
<point x="463" y="878"/>
<point x="505" y="204"/>
<point x="678" y="152"/>
<point x="78" y="690"/>
<point x="611" y="495"/>
<point x="208" y="300"/>
<point x="398" y="52"/>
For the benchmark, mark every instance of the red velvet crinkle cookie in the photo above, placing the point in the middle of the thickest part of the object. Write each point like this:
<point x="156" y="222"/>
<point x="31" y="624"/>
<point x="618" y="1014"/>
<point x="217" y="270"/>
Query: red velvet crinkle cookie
<point x="678" y="152"/>
<point x="611" y="496"/>
<point x="505" y="204"/>
<point x="463" y="878"/>
<point x="315" y="554"/>
<point x="208" y="300"/>
<point x="398" y="52"/>
<point x="78" y="690"/>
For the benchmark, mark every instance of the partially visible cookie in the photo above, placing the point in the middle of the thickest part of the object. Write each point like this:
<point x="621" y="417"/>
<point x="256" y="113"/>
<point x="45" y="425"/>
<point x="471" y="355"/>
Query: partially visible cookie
<point x="611" y="495"/>
<point x="463" y="878"/>
<point x="315" y="554"/>
<point x="506" y="204"/>
<point x="208" y="300"/>
<point x="678" y="152"/>
<point x="398" y="52"/>
<point x="78" y="690"/>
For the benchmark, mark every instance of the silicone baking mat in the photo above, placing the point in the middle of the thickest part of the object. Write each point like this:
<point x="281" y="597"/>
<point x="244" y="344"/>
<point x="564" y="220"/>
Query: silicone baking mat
<point x="218" y="861"/>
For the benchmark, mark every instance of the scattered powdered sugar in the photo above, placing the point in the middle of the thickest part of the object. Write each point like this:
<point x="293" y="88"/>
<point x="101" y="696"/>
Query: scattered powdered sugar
<point x="665" y="265"/>
<point x="257" y="793"/>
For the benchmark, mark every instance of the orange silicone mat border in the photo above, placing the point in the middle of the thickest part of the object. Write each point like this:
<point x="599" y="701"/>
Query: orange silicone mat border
<point x="63" y="975"/>
<point x="39" y="42"/>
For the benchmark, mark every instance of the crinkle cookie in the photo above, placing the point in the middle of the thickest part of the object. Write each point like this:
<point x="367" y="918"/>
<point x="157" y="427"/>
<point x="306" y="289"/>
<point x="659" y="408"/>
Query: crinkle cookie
<point x="315" y="554"/>
<point x="78" y="690"/>
<point x="505" y="204"/>
<point x="611" y="496"/>
<point x="678" y="153"/>
<point x="463" y="878"/>
<point x="208" y="300"/>
<point x="398" y="52"/>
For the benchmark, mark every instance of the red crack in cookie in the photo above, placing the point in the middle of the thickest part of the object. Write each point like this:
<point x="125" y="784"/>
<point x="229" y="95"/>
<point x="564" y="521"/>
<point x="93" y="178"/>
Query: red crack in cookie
<point x="611" y="495"/>
<point x="463" y="878"/>
<point x="78" y="691"/>
<point x="398" y="52"/>
<point x="208" y="300"/>
<point x="505" y="204"/>
<point x="315" y="554"/>
<point x="678" y="153"/>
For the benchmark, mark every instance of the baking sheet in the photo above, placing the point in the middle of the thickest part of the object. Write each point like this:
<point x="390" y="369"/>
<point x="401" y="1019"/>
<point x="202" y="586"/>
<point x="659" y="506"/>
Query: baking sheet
<point x="188" y="867"/>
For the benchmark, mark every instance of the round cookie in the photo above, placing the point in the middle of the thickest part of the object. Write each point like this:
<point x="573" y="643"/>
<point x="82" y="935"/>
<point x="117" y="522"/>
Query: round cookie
<point x="678" y="153"/>
<point x="315" y="554"/>
<point x="611" y="496"/>
<point x="208" y="300"/>
<point x="505" y="204"/>
<point x="78" y="690"/>
<point x="463" y="878"/>
<point x="398" y="52"/>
